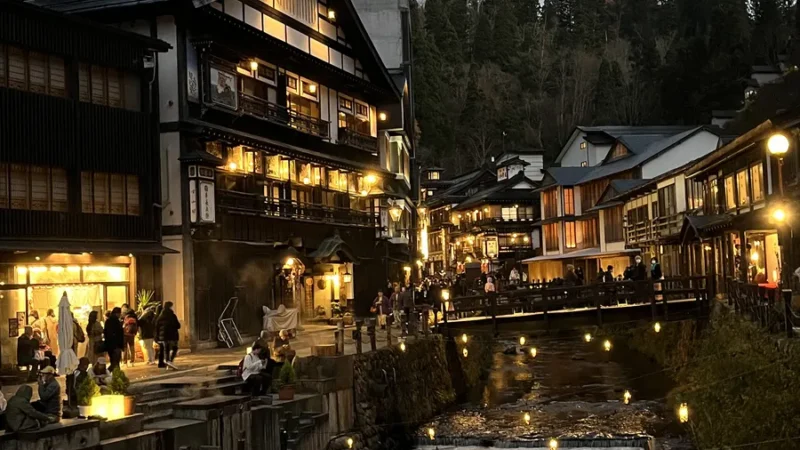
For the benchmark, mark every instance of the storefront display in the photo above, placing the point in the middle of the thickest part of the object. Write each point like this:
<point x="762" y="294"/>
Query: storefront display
<point x="29" y="289"/>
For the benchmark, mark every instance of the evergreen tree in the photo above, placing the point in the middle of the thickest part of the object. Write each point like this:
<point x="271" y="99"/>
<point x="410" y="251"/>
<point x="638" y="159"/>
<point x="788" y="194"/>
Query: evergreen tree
<point x="504" y="36"/>
<point x="461" y="20"/>
<point x="608" y="91"/>
<point x="483" y="46"/>
<point x="769" y="31"/>
<point x="437" y="24"/>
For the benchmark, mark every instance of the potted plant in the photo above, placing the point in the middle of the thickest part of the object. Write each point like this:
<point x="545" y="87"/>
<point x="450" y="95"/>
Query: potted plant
<point x="145" y="298"/>
<point x="87" y="390"/>
<point x="119" y="386"/>
<point x="287" y="378"/>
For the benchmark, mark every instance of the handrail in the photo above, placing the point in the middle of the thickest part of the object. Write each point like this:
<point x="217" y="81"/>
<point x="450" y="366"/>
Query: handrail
<point x="352" y="137"/>
<point x="769" y="308"/>
<point x="273" y="112"/>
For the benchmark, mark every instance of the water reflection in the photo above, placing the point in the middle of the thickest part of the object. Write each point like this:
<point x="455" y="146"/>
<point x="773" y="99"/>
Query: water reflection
<point x="572" y="388"/>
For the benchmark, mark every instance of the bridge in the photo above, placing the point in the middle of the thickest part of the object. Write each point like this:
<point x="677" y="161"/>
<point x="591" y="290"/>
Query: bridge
<point x="549" y="307"/>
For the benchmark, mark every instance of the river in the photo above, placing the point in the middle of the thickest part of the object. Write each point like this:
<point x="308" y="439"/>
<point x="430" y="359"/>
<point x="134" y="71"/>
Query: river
<point x="571" y="390"/>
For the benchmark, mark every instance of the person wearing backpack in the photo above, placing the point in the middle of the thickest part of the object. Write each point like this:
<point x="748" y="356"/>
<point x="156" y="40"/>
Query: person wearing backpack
<point x="130" y="327"/>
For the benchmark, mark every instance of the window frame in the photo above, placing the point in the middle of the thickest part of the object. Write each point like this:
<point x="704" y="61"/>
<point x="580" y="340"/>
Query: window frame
<point x="574" y="234"/>
<point x="571" y="210"/>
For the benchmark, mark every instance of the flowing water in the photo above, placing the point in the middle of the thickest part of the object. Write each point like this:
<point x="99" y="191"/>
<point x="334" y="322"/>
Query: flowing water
<point x="570" y="390"/>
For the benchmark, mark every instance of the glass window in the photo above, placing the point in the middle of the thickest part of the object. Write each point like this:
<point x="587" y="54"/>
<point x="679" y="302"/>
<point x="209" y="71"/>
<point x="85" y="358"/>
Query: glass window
<point x="730" y="194"/>
<point x="273" y="166"/>
<point x="31" y="71"/>
<point x="551" y="236"/>
<point x="509" y="213"/>
<point x="569" y="201"/>
<point x="743" y="189"/>
<point x="569" y="235"/>
<point x="433" y="175"/>
<point x="757" y="180"/>
<point x="107" y="86"/>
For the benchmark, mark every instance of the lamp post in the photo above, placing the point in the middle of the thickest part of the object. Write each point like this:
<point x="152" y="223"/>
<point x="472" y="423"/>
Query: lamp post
<point x="778" y="145"/>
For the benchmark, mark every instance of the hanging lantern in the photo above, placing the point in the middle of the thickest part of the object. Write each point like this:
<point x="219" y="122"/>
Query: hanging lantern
<point x="533" y="352"/>
<point x="464" y="338"/>
<point x="522" y="340"/>
<point x="465" y="352"/>
<point x="657" y="327"/>
<point x="348" y="277"/>
<point x="607" y="345"/>
<point x="395" y="211"/>
<point x="587" y="337"/>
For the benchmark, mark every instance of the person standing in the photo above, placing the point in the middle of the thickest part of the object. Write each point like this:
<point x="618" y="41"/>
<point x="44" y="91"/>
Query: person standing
<point x="639" y="270"/>
<point x="51" y="331"/>
<point x="655" y="270"/>
<point x="147" y="331"/>
<point x="94" y="332"/>
<point x="114" y="339"/>
<point x="167" y="326"/>
<point x="570" y="279"/>
<point x="379" y="307"/>
<point x="130" y="327"/>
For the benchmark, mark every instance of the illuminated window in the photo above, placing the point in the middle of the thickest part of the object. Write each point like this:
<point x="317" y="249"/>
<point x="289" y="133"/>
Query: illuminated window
<point x="583" y="145"/>
<point x="584" y="164"/>
<point x="730" y="197"/>
<point x="742" y="188"/>
<point x="757" y="180"/>
<point x="569" y="202"/>
<point x="433" y="175"/>
<point x="569" y="235"/>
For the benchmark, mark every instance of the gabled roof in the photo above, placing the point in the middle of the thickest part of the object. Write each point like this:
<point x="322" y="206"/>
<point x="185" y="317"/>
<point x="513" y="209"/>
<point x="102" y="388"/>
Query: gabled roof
<point x="457" y="191"/>
<point x="612" y="192"/>
<point x="646" y="154"/>
<point x="565" y="176"/>
<point x="502" y="191"/>
<point x="611" y="133"/>
<point x="513" y="161"/>
<point x="732" y="148"/>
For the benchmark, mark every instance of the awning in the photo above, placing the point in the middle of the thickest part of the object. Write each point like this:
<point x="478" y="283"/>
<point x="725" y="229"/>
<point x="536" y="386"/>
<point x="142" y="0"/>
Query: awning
<point x="118" y="247"/>
<point x="581" y="254"/>
<point x="333" y="250"/>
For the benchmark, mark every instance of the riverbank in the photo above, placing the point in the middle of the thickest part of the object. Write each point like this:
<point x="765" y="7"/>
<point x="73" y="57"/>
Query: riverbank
<point x="740" y="384"/>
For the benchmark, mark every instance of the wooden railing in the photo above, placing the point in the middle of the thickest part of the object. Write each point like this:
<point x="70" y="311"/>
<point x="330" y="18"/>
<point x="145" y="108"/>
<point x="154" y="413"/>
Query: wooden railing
<point x="770" y="308"/>
<point x="265" y="110"/>
<point x="548" y="298"/>
<point x="257" y="204"/>
<point x="351" y="137"/>
<point x="651" y="230"/>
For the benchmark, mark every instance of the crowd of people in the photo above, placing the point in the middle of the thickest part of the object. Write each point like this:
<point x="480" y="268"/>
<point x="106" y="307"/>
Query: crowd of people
<point x="109" y="344"/>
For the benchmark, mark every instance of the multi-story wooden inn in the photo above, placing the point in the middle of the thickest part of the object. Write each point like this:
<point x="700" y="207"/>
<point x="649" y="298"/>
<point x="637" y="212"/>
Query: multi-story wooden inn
<point x="277" y="154"/>
<point x="78" y="168"/>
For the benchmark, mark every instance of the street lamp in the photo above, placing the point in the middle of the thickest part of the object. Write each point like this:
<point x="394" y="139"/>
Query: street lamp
<point x="778" y="145"/>
<point x="395" y="211"/>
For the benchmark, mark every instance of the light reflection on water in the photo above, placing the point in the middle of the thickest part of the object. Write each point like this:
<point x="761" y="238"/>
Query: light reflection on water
<point x="571" y="389"/>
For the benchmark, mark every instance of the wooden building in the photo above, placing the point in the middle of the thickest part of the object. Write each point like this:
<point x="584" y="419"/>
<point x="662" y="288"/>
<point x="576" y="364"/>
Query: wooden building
<point x="282" y="177"/>
<point x="79" y="179"/>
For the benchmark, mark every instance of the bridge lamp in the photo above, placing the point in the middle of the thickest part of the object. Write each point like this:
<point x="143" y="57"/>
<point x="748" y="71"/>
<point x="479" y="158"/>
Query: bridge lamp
<point x="464" y="338"/>
<point x="626" y="397"/>
<point x="402" y="346"/>
<point x="778" y="215"/>
<point x="778" y="145"/>
<point x="527" y="418"/>
<point x="349" y="442"/>
<point x="683" y="413"/>
<point x="522" y="340"/>
<point x="465" y="352"/>
<point x="587" y="337"/>
<point x="607" y="345"/>
<point x="533" y="352"/>
<point x="553" y="444"/>
<point x="431" y="433"/>
<point x="657" y="327"/>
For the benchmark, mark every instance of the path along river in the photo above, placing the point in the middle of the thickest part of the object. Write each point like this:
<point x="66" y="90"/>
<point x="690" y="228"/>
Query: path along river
<point x="570" y="389"/>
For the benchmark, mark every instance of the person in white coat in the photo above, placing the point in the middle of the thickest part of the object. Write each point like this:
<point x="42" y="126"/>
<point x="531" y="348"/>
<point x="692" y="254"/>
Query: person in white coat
<point x="253" y="370"/>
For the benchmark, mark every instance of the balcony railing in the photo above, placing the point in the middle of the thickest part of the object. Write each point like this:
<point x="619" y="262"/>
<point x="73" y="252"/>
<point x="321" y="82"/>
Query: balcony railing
<point x="351" y="137"/>
<point x="265" y="110"/>
<point x="466" y="226"/>
<point x="290" y="209"/>
<point x="652" y="230"/>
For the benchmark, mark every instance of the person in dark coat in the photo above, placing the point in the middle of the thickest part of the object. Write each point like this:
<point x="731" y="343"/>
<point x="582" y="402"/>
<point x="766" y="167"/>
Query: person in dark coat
<point x="655" y="269"/>
<point x="167" y="326"/>
<point x="608" y="275"/>
<point x="49" y="393"/>
<point x="21" y="415"/>
<point x="26" y="349"/>
<point x="639" y="270"/>
<point x="147" y="331"/>
<point x="114" y="338"/>
<point x="570" y="279"/>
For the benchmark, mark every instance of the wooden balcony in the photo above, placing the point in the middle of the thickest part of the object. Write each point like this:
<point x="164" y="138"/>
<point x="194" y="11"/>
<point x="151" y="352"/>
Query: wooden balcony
<point x="272" y="112"/>
<point x="254" y="204"/>
<point x="352" y="138"/>
<point x="650" y="231"/>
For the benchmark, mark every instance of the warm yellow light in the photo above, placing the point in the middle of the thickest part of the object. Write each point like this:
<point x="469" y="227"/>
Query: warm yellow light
<point x="349" y="440"/>
<point x="657" y="327"/>
<point x="626" y="397"/>
<point x="464" y="338"/>
<point x="306" y="180"/>
<point x="248" y="351"/>
<point x="607" y="345"/>
<point x="486" y="210"/>
<point x="553" y="444"/>
<point x="38" y="269"/>
<point x="431" y="433"/>
<point x="382" y="117"/>
<point x="522" y="340"/>
<point x="331" y="14"/>
<point x="587" y="337"/>
<point x="111" y="407"/>
<point x="364" y="192"/>
<point x="289" y="261"/>
<point x="56" y="269"/>
<point x="778" y="214"/>
<point x="459" y="216"/>
<point x="468" y="259"/>
<point x="371" y="179"/>
<point x="130" y="255"/>
<point x="22" y="270"/>
<point x="707" y="248"/>
<point x="402" y="346"/>
<point x="312" y="88"/>
<point x="527" y="418"/>
<point x="232" y="166"/>
<point x="683" y="413"/>
<point x="38" y="258"/>
<point x="465" y="352"/>
<point x="253" y="66"/>
<point x="533" y="352"/>
<point x="445" y="294"/>
<point x="407" y="268"/>
<point x="73" y="268"/>
<point x="526" y="239"/>
<point x="778" y="144"/>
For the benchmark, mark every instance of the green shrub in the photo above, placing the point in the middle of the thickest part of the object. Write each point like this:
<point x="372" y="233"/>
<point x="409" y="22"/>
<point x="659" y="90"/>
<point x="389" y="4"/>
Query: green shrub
<point x="119" y="382"/>
<point x="87" y="390"/>
<point x="287" y="375"/>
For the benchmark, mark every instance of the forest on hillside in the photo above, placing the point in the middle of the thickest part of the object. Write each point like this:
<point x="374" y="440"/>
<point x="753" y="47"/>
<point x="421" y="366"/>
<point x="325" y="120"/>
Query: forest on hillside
<point x="494" y="75"/>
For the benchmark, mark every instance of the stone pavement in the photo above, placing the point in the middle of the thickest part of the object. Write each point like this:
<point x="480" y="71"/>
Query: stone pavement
<point x="208" y="359"/>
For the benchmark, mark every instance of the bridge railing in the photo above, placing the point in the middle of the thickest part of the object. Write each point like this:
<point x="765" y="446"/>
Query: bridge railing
<point x="599" y="296"/>
<point x="769" y="307"/>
